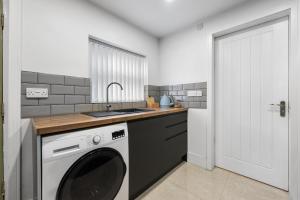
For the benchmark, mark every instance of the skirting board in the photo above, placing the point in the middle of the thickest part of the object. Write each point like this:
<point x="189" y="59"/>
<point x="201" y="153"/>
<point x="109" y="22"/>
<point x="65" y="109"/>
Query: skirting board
<point x="196" y="159"/>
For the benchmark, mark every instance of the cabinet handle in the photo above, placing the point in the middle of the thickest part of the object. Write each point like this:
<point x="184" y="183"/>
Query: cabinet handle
<point x="176" y="124"/>
<point x="176" y="135"/>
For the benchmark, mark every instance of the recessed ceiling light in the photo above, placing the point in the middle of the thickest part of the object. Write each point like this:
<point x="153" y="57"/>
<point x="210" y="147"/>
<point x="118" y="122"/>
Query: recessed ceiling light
<point x="169" y="1"/>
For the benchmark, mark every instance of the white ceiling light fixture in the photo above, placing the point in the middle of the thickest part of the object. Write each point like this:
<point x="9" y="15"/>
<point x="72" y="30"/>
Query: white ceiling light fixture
<point x="169" y="1"/>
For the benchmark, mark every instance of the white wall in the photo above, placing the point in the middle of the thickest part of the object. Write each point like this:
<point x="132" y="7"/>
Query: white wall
<point x="197" y="129"/>
<point x="186" y="56"/>
<point x="182" y="57"/>
<point x="55" y="37"/>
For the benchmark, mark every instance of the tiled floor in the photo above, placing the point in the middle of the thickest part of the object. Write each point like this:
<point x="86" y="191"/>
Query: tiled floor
<point x="189" y="182"/>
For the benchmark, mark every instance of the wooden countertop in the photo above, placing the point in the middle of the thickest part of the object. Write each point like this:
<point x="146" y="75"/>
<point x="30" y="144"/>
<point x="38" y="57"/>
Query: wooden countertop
<point x="60" y="123"/>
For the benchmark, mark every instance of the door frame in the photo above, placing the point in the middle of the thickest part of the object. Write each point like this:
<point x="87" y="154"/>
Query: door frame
<point x="293" y="143"/>
<point x="12" y="62"/>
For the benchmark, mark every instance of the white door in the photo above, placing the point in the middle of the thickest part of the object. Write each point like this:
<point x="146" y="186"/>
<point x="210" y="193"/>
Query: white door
<point x="251" y="80"/>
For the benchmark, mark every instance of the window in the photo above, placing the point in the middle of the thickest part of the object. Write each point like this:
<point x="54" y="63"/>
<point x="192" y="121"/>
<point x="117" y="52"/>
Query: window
<point x="112" y="64"/>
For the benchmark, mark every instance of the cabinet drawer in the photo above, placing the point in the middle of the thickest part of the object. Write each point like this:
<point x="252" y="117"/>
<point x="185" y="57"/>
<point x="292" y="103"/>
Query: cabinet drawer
<point x="174" y="130"/>
<point x="173" y="120"/>
<point x="176" y="148"/>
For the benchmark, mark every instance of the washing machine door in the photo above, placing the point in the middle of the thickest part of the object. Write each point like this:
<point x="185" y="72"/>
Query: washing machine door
<point x="98" y="175"/>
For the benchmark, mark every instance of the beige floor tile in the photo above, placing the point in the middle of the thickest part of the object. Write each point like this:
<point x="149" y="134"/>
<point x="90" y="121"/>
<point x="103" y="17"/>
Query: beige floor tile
<point x="240" y="187"/>
<point x="169" y="191"/>
<point x="190" y="182"/>
<point x="204" y="184"/>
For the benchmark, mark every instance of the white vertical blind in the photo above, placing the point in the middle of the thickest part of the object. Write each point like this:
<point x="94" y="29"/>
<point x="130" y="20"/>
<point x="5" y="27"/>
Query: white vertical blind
<point x="112" y="64"/>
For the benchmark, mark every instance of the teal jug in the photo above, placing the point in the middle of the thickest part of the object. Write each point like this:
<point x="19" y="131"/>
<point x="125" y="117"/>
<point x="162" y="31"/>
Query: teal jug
<point x="166" y="101"/>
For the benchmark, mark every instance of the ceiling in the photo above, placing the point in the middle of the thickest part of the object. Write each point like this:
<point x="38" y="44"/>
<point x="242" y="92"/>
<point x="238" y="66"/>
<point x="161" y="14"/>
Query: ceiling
<point x="162" y="17"/>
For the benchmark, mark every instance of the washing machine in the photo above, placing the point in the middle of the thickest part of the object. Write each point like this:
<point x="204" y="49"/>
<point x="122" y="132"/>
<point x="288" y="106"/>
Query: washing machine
<point x="88" y="164"/>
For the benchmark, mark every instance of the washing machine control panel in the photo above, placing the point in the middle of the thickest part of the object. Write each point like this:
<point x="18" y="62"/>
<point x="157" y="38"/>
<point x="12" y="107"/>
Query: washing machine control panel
<point x="118" y="134"/>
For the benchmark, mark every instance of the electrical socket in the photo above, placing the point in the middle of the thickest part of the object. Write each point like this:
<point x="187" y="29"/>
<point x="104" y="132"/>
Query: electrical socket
<point x="199" y="93"/>
<point x="194" y="93"/>
<point x="37" y="92"/>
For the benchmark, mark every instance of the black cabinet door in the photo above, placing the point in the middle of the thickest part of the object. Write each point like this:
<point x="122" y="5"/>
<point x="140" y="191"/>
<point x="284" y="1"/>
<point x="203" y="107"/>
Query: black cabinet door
<point x="145" y="154"/>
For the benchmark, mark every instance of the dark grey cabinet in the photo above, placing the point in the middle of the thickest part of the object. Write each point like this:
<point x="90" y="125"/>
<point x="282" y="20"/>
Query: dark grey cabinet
<point x="156" y="146"/>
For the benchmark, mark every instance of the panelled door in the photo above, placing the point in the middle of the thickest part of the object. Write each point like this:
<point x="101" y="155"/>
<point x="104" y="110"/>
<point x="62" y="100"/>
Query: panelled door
<point x="251" y="110"/>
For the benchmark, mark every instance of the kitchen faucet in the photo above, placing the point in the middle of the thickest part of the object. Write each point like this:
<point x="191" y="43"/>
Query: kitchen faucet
<point x="108" y="106"/>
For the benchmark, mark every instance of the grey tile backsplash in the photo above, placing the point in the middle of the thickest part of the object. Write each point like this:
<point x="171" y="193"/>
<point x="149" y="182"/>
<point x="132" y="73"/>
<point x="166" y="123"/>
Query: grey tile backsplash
<point x="72" y="95"/>
<point x="66" y="95"/>
<point x="179" y="92"/>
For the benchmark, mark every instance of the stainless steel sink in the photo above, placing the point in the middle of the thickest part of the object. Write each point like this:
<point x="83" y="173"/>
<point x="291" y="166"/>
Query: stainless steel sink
<point x="118" y="112"/>
<point x="134" y="110"/>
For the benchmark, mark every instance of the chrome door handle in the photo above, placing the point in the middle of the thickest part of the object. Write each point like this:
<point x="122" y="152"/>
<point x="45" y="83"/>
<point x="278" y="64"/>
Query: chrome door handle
<point x="282" y="107"/>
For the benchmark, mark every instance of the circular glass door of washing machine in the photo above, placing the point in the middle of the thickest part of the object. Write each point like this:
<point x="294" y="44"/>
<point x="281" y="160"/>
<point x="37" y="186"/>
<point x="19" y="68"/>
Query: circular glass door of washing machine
<point x="97" y="175"/>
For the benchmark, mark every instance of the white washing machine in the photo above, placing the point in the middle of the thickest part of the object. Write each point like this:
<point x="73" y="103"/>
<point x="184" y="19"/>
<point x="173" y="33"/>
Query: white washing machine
<point x="86" y="165"/>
